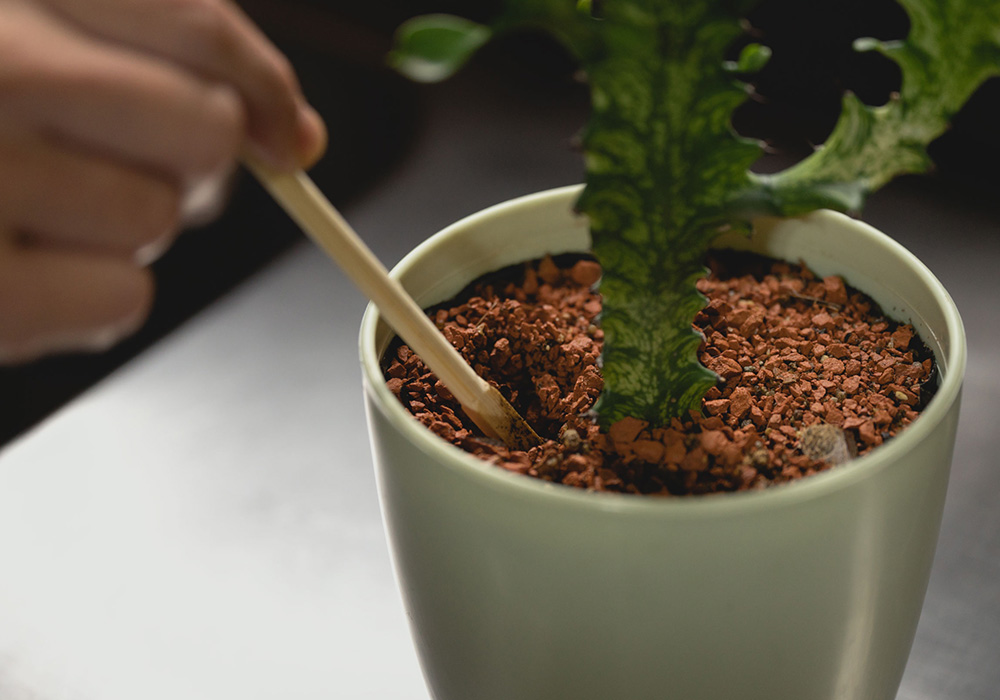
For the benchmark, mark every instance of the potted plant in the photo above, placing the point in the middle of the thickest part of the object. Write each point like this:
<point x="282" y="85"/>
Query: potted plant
<point x="520" y="588"/>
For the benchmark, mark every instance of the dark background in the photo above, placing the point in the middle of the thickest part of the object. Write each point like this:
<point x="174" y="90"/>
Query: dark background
<point x="374" y="116"/>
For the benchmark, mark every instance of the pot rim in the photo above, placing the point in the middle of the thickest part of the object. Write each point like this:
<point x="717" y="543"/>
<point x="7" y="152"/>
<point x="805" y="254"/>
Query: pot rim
<point x="820" y="485"/>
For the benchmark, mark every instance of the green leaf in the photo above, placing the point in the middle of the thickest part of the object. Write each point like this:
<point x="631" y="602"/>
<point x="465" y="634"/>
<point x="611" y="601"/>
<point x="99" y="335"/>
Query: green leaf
<point x="661" y="159"/>
<point x="752" y="59"/>
<point x="433" y="47"/>
<point x="951" y="49"/>
<point x="586" y="7"/>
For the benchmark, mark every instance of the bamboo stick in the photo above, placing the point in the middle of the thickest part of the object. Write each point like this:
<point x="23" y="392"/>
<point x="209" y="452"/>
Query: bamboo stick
<point x="302" y="200"/>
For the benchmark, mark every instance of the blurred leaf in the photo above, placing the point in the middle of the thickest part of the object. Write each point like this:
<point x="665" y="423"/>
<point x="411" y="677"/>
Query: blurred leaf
<point x="752" y="59"/>
<point x="430" y="48"/>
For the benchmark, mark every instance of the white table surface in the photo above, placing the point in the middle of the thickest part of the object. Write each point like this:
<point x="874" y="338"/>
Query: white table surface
<point x="204" y="523"/>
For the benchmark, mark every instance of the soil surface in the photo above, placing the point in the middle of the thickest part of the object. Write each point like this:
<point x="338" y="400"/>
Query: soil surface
<point x="811" y="373"/>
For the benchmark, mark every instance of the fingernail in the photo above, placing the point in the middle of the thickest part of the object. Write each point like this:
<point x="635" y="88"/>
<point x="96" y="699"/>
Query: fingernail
<point x="279" y="160"/>
<point x="204" y="198"/>
<point x="101" y="339"/>
<point x="151" y="252"/>
<point x="312" y="135"/>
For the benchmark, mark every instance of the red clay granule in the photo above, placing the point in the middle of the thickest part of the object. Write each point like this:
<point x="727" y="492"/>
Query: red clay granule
<point x="810" y="374"/>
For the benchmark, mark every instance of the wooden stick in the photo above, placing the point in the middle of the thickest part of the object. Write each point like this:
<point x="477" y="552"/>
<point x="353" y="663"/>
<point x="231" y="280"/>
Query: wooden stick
<point x="303" y="201"/>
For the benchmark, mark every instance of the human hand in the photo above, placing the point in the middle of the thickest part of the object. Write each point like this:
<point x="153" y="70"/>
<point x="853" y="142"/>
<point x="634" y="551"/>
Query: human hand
<point x="110" y="112"/>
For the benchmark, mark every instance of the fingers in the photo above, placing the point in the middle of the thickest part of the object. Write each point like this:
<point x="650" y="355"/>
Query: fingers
<point x="116" y="103"/>
<point x="57" y="301"/>
<point x="215" y="40"/>
<point x="113" y="115"/>
<point x="312" y="136"/>
<point x="64" y="198"/>
<point x="74" y="233"/>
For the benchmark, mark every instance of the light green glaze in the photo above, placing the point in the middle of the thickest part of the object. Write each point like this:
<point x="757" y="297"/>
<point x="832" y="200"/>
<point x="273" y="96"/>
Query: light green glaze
<point x="666" y="172"/>
<point x="521" y="589"/>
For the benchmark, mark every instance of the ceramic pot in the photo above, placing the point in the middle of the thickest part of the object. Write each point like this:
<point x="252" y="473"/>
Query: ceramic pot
<point x="519" y="589"/>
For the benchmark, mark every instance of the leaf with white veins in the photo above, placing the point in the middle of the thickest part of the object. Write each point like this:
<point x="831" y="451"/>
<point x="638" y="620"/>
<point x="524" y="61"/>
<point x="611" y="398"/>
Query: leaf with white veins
<point x="952" y="48"/>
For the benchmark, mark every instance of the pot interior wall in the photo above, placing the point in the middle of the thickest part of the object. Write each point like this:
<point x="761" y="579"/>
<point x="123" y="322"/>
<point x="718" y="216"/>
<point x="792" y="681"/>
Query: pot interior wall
<point x="828" y="242"/>
<point x="528" y="228"/>
<point x="832" y="244"/>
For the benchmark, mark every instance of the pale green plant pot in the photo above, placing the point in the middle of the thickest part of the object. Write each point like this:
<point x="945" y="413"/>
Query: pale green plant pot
<point x="519" y="589"/>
